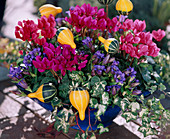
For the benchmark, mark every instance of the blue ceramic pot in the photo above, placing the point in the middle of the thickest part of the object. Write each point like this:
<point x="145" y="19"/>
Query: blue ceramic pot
<point x="106" y="119"/>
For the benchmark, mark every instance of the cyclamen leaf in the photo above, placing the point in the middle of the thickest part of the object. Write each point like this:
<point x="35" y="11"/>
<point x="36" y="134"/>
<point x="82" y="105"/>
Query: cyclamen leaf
<point x="56" y="102"/>
<point x="102" y="129"/>
<point x="94" y="80"/>
<point x="129" y="116"/>
<point x="134" y="106"/>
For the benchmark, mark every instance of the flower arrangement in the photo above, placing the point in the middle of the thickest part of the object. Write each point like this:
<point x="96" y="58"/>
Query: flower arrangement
<point x="87" y="61"/>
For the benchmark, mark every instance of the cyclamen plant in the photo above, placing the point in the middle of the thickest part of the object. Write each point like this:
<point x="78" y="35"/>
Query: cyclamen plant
<point x="110" y="78"/>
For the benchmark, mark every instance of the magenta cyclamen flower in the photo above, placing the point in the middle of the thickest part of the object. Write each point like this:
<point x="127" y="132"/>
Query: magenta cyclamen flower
<point x="158" y="35"/>
<point x="62" y="58"/>
<point x="91" y="17"/>
<point x="42" y="64"/>
<point x="28" y="30"/>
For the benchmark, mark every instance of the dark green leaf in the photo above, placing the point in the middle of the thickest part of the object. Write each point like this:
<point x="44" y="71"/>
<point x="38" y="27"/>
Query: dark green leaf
<point x="94" y="80"/>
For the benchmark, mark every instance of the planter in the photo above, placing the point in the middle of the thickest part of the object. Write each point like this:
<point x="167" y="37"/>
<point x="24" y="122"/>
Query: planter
<point x="106" y="119"/>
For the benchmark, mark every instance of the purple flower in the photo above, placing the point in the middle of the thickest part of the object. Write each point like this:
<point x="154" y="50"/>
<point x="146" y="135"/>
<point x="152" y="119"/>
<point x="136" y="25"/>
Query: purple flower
<point x="59" y="21"/>
<point x="23" y="84"/>
<point x="122" y="18"/>
<point x="119" y="77"/>
<point x="115" y="63"/>
<point x="32" y="55"/>
<point x="114" y="69"/>
<point x="136" y="92"/>
<point x="87" y="41"/>
<point x="28" y="60"/>
<point x="68" y="12"/>
<point x="130" y="72"/>
<point x="99" y="55"/>
<point x="99" y="69"/>
<point x="15" y="72"/>
<point x="113" y="89"/>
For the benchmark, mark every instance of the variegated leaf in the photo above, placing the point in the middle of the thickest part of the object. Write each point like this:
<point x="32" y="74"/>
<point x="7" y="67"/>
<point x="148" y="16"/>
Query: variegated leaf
<point x="105" y="98"/>
<point x="134" y="106"/>
<point x="129" y="116"/>
<point x="102" y="129"/>
<point x="93" y="103"/>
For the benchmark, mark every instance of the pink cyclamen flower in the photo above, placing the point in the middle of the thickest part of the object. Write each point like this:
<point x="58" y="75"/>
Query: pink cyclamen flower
<point x="139" y="26"/>
<point x="42" y="64"/>
<point x="158" y="35"/>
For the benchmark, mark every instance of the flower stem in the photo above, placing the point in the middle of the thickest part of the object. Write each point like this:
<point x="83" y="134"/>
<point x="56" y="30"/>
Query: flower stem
<point x="107" y="10"/>
<point x="53" y="74"/>
<point x="89" y="119"/>
<point x="132" y="61"/>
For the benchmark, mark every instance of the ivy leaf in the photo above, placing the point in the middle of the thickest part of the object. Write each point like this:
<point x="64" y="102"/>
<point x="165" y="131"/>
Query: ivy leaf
<point x="99" y="88"/>
<point x="162" y="96"/>
<point x="143" y="112"/>
<point x="93" y="136"/>
<point x="77" y="136"/>
<point x="117" y="101"/>
<point x="101" y="110"/>
<point x="162" y="87"/>
<point x="124" y="104"/>
<point x="66" y="113"/>
<point x="84" y="136"/>
<point x="134" y="106"/>
<point x="93" y="103"/>
<point x="94" y="80"/>
<point x="129" y="116"/>
<point x="153" y="88"/>
<point x="102" y="129"/>
<point x="61" y="124"/>
<point x="147" y="131"/>
<point x="105" y="98"/>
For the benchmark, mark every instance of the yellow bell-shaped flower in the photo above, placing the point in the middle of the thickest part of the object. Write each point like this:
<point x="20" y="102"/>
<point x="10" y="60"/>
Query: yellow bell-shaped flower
<point x="45" y="93"/>
<point x="124" y="6"/>
<point x="48" y="9"/>
<point x="111" y="45"/>
<point x="79" y="98"/>
<point x="65" y="36"/>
